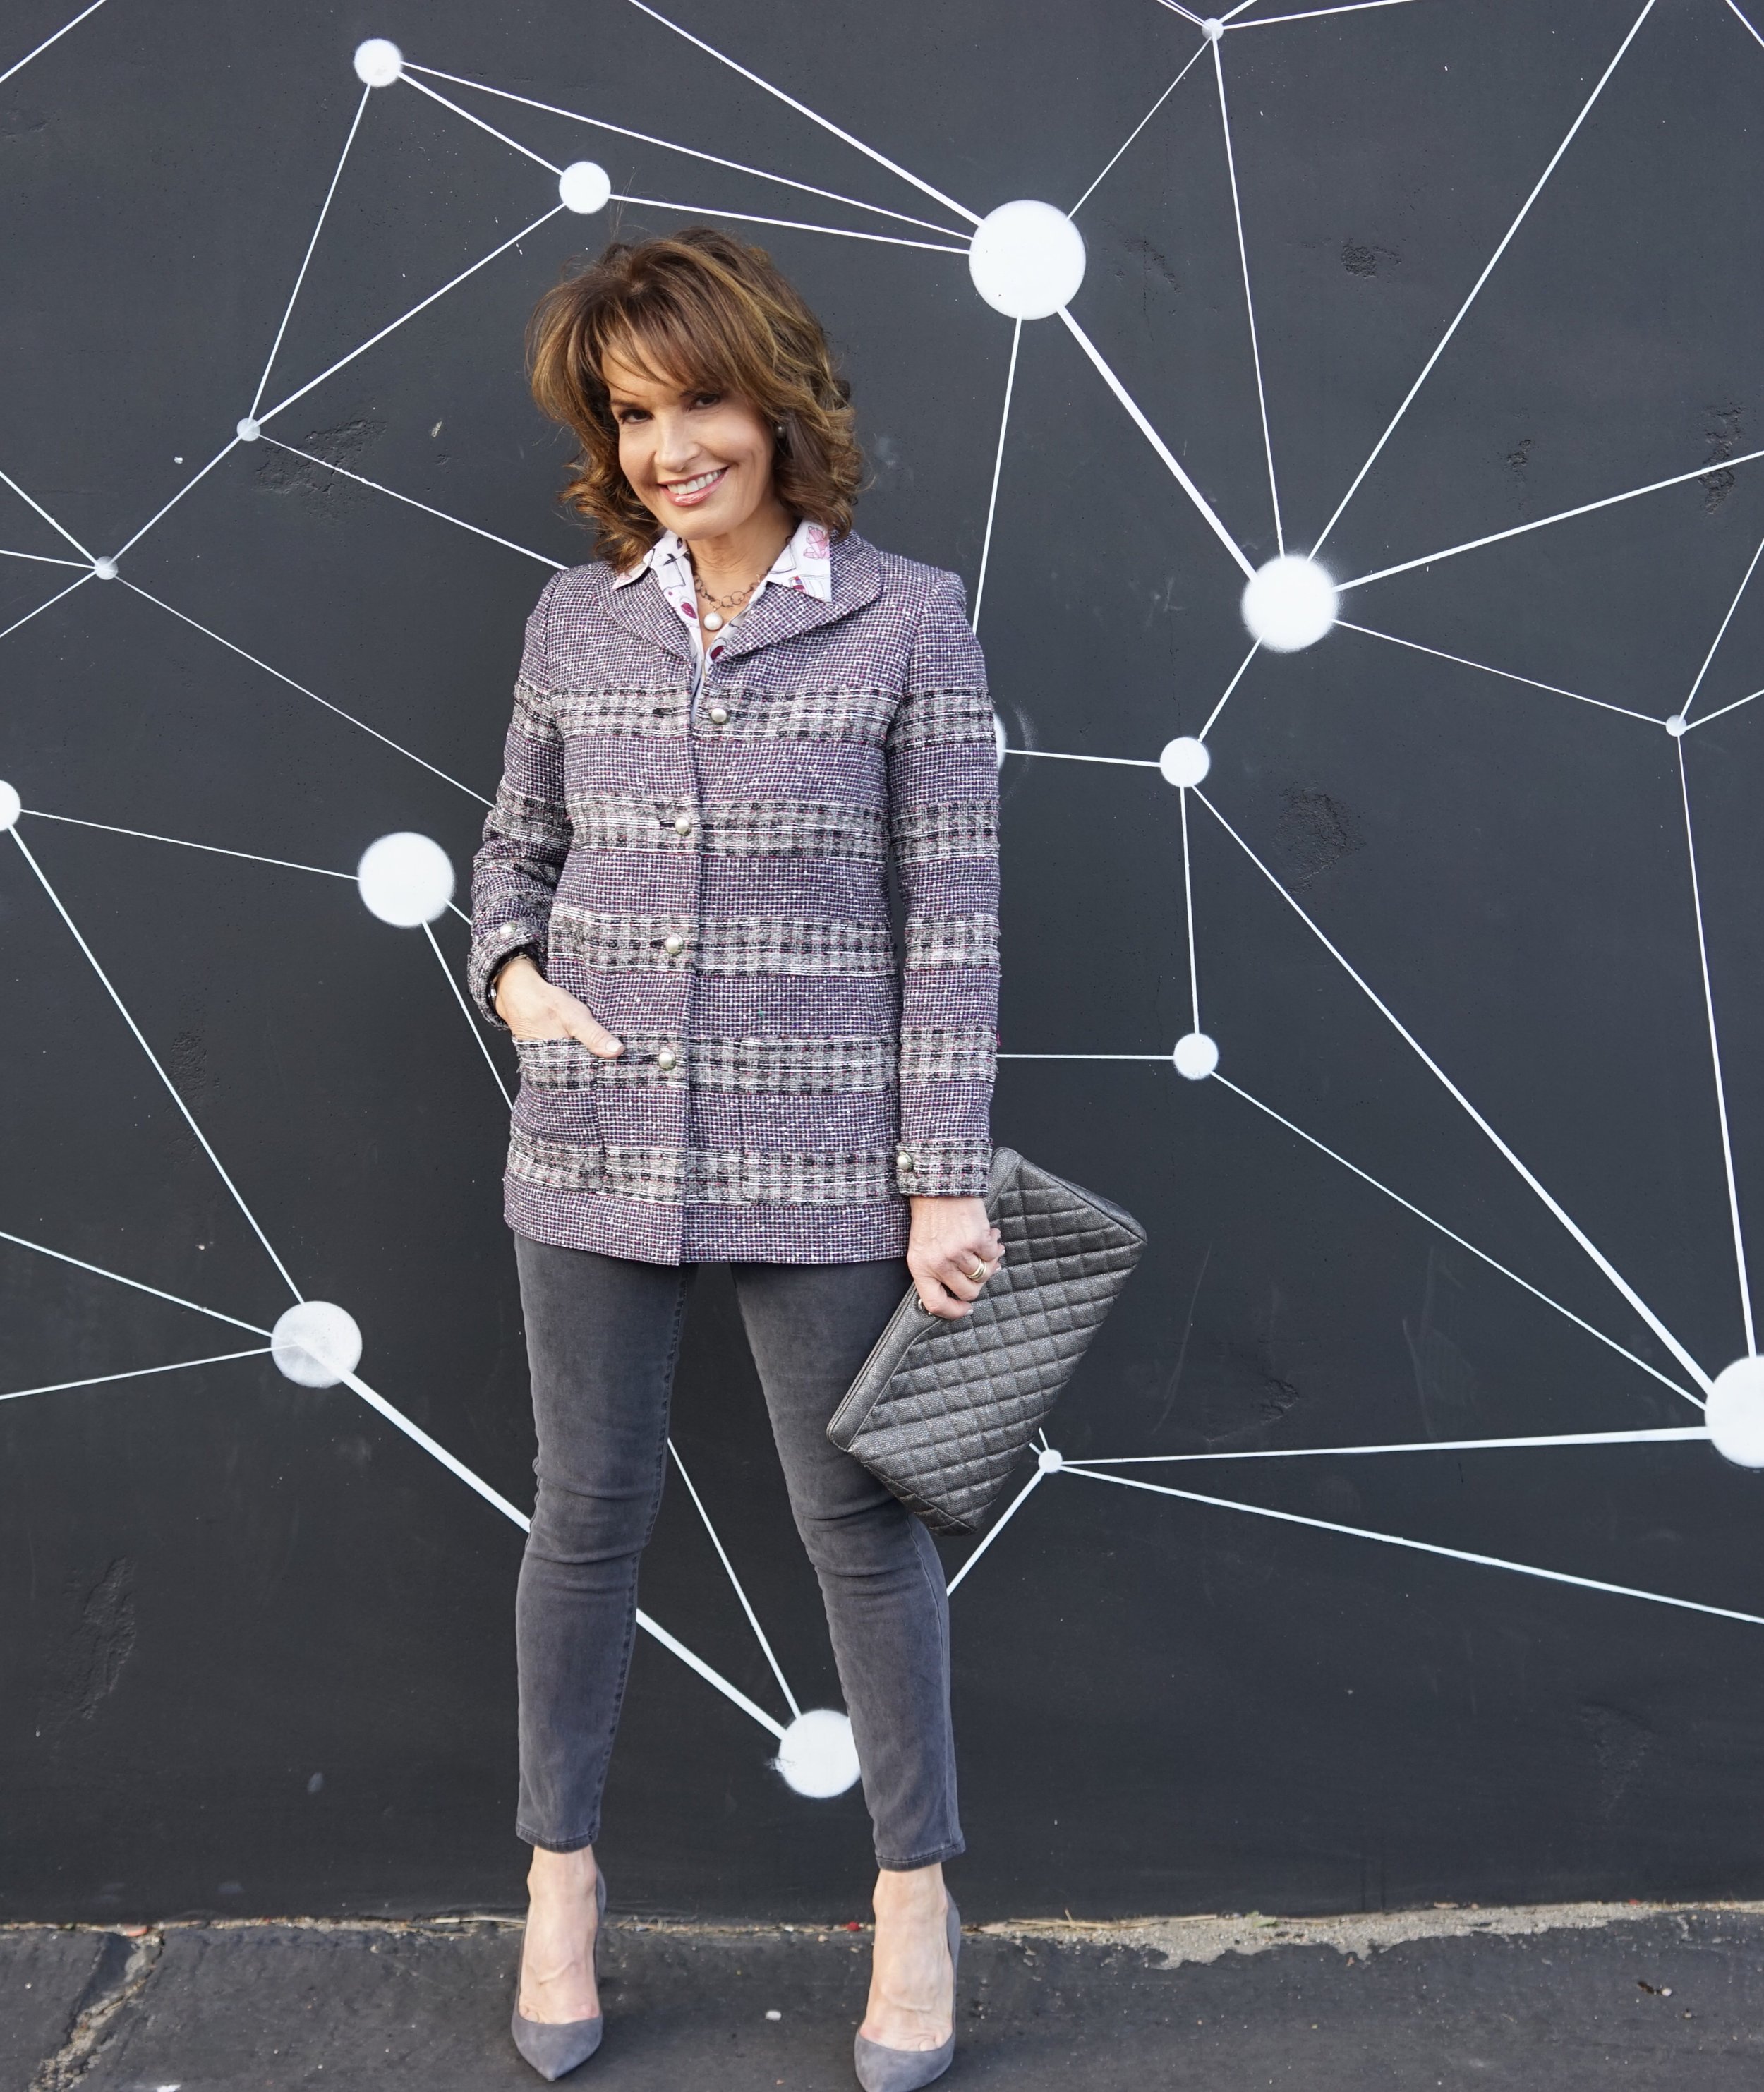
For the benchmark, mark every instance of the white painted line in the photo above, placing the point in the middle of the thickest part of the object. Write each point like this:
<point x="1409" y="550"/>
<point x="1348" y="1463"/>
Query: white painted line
<point x="1506" y="675"/>
<point x="1249" y="302"/>
<point x="728" y="1568"/>
<point x="171" y="1088"/>
<point x="137" y="1284"/>
<point x="257" y="397"/>
<point x="1424" y="1547"/>
<point x="802" y="109"/>
<point x="1152" y="436"/>
<point x="135" y="1373"/>
<point x="1003" y="1520"/>
<point x="789" y="224"/>
<point x="466" y="1011"/>
<point x="398" y="747"/>
<point x="1668" y="1434"/>
<point x="182" y="842"/>
<point x="1199" y="50"/>
<point x="998" y="467"/>
<point x="1506" y="241"/>
<point x="1715" y="1059"/>
<point x="411" y="502"/>
<point x="1452" y="1090"/>
<point x="18" y="64"/>
<point x="1463" y="1243"/>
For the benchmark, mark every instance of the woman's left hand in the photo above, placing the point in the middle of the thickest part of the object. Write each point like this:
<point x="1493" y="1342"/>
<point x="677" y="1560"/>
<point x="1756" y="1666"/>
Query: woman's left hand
<point x="954" y="1250"/>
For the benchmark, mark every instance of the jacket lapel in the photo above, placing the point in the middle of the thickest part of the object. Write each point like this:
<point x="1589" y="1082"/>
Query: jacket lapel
<point x="641" y="607"/>
<point x="781" y="613"/>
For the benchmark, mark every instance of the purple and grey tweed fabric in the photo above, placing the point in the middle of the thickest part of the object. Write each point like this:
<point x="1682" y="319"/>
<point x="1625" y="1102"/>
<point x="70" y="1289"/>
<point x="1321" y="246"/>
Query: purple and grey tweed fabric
<point x="714" y="887"/>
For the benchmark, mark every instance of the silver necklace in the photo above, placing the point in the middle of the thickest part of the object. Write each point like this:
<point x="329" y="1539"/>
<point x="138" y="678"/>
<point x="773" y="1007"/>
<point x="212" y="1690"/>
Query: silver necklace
<point x="723" y="607"/>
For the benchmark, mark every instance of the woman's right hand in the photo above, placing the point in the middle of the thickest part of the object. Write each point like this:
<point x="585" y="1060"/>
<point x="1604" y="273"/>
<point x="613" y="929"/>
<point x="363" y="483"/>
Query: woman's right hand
<point x="532" y="1007"/>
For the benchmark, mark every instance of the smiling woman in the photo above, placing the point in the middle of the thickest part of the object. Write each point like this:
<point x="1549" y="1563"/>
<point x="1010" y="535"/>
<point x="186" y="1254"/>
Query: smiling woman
<point x="729" y="728"/>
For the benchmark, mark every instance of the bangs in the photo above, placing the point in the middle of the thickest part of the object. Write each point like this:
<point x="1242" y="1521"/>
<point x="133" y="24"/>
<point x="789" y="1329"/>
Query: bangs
<point x="652" y="336"/>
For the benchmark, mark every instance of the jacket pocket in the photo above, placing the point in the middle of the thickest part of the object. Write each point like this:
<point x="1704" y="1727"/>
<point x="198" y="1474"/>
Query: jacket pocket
<point x="556" y="1123"/>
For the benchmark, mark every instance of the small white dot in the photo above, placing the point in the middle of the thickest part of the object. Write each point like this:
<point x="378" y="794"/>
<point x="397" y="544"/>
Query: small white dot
<point x="405" y="878"/>
<point x="379" y="62"/>
<point x="1735" y="1412"/>
<point x="105" y="569"/>
<point x="1049" y="1461"/>
<point x="177" y="460"/>
<point x="1289" y="604"/>
<point x="12" y="805"/>
<point x="1212" y="28"/>
<point x="1185" y="761"/>
<point x="1195" y="1056"/>
<point x="584" y="186"/>
<point x="248" y="430"/>
<point x="774" y="2014"/>
<point x="1677" y="724"/>
<point x="1026" y="260"/>
<point x="316" y="1343"/>
<point x="818" y="1756"/>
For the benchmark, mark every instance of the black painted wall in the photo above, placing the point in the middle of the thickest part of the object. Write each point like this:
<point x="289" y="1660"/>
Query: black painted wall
<point x="257" y="1655"/>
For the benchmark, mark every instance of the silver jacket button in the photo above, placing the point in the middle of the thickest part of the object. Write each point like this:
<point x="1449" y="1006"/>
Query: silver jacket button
<point x="905" y="1161"/>
<point x="682" y="824"/>
<point x="674" y="946"/>
<point x="667" y="1059"/>
<point x="719" y="715"/>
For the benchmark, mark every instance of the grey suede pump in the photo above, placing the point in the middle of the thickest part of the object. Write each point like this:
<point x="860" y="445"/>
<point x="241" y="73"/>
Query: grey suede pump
<point x="554" y="2046"/>
<point x="881" y="2069"/>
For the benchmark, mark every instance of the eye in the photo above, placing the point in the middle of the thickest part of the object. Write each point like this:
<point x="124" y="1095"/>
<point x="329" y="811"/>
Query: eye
<point x="707" y="399"/>
<point x="626" y="415"/>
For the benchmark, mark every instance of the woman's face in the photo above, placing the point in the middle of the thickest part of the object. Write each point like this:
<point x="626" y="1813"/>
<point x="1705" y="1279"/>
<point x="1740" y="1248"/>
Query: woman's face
<point x="700" y="462"/>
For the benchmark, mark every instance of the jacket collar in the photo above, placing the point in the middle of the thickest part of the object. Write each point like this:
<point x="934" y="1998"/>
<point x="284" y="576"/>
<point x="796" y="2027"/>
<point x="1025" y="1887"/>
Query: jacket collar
<point x="779" y="613"/>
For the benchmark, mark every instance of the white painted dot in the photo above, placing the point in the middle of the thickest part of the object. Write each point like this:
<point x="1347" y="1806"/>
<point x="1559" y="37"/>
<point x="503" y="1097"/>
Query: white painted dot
<point x="1677" y="724"/>
<point x="1026" y="260"/>
<point x="316" y="1343"/>
<point x="818" y="1756"/>
<point x="1196" y="1055"/>
<point x="1185" y="761"/>
<point x="379" y="62"/>
<point x="584" y="186"/>
<point x="105" y="569"/>
<point x="248" y="431"/>
<point x="1212" y="28"/>
<point x="1289" y="604"/>
<point x="774" y="2014"/>
<point x="12" y="805"/>
<point x="998" y="738"/>
<point x="1049" y="1461"/>
<point x="405" y="878"/>
<point x="1735" y="1412"/>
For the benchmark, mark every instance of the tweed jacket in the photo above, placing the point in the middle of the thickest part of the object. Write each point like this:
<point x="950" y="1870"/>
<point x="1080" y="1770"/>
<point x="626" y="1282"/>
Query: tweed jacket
<point x="714" y="885"/>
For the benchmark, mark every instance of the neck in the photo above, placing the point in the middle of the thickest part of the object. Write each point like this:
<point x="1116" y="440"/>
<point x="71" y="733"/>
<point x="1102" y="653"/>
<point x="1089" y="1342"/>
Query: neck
<point x="745" y="554"/>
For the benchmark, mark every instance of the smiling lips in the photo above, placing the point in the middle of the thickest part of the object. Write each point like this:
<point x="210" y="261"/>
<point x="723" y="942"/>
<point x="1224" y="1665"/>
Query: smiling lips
<point x="689" y="493"/>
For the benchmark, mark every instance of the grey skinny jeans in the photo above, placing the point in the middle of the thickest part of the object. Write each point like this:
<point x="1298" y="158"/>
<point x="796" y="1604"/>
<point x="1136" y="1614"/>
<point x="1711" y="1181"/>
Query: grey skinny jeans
<point x="603" y="1335"/>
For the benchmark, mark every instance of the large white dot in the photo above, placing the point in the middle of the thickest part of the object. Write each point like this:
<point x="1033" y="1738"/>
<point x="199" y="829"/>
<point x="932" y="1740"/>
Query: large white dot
<point x="1196" y="1055"/>
<point x="818" y="1756"/>
<point x="1026" y="260"/>
<point x="316" y="1343"/>
<point x="998" y="738"/>
<point x="405" y="878"/>
<point x="12" y="805"/>
<point x="584" y="186"/>
<point x="1677" y="724"/>
<point x="248" y="430"/>
<point x="1735" y="1412"/>
<point x="379" y="62"/>
<point x="1289" y="604"/>
<point x="1185" y="761"/>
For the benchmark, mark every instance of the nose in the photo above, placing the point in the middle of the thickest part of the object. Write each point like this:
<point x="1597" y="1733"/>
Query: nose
<point x="676" y="448"/>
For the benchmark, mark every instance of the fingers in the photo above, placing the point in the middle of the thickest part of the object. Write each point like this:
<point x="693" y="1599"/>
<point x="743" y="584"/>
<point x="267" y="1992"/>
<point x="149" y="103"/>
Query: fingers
<point x="584" y="1025"/>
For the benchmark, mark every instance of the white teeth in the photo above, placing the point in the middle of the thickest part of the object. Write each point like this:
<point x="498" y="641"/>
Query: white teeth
<point x="695" y="486"/>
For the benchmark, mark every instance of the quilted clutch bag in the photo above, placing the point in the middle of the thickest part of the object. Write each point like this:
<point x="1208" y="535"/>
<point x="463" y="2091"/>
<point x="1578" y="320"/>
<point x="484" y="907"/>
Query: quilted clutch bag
<point x="943" y="1411"/>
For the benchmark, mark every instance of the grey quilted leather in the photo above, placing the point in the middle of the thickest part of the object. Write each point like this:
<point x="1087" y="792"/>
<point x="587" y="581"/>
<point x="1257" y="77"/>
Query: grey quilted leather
<point x="942" y="1412"/>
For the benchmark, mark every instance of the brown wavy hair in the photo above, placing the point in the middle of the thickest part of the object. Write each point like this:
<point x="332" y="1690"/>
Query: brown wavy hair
<point x="696" y="309"/>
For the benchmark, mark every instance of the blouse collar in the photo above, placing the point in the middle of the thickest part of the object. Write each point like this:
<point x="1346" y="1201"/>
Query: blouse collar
<point x="805" y="564"/>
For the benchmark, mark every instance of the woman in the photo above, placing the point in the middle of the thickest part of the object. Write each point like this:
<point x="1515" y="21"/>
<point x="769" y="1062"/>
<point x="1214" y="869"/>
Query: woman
<point x="727" y="730"/>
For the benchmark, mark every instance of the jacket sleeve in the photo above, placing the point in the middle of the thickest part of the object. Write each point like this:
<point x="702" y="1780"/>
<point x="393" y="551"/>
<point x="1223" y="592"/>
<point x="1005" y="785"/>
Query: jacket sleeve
<point x="943" y="818"/>
<point x="527" y="832"/>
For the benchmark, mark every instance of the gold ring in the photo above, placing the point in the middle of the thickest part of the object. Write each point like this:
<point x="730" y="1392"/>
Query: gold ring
<point x="978" y="1272"/>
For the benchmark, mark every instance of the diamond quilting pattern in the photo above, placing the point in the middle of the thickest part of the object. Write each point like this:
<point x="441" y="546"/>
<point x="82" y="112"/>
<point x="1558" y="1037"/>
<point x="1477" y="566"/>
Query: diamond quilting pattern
<point x="943" y="1411"/>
